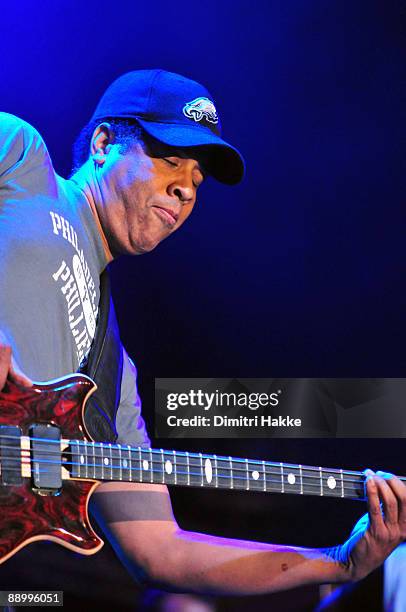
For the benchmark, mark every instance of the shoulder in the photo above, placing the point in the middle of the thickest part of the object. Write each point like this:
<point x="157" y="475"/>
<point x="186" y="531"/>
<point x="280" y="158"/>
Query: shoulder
<point x="21" y="145"/>
<point x="10" y="125"/>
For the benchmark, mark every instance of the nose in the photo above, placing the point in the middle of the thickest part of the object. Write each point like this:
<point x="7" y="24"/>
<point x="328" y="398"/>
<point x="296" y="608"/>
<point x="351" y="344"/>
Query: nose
<point x="182" y="189"/>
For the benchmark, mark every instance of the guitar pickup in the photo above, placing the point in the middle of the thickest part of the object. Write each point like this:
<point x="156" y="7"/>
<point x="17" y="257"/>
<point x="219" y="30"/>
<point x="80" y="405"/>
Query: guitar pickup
<point x="46" y="458"/>
<point x="10" y="454"/>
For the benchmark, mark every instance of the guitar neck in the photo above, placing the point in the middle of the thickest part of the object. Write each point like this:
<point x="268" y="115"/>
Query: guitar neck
<point x="91" y="460"/>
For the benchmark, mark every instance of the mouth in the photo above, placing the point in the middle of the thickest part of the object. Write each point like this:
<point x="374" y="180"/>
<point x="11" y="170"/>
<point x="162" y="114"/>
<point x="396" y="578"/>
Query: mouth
<point x="167" y="214"/>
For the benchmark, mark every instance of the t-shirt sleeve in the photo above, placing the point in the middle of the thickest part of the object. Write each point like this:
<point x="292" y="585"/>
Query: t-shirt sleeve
<point x="24" y="159"/>
<point x="129" y="422"/>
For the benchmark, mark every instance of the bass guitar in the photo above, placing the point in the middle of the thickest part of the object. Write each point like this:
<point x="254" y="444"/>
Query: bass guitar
<point x="49" y="467"/>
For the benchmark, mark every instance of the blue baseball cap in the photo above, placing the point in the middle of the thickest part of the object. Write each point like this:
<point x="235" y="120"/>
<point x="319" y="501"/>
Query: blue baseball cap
<point x="176" y="111"/>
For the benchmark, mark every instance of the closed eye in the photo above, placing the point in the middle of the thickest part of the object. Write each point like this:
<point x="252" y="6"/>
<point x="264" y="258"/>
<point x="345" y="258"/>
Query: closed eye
<point x="170" y="162"/>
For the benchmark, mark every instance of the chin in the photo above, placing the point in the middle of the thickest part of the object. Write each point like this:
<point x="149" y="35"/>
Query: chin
<point x="146" y="242"/>
<point x="145" y="247"/>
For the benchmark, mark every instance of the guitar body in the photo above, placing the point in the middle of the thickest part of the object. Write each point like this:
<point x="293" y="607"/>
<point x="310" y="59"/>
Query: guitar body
<point x="27" y="514"/>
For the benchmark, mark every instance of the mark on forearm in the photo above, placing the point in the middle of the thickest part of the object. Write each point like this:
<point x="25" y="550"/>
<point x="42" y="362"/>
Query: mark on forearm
<point x="284" y="567"/>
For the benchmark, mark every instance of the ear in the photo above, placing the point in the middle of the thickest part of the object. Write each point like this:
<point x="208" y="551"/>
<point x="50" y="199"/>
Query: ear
<point x="100" y="143"/>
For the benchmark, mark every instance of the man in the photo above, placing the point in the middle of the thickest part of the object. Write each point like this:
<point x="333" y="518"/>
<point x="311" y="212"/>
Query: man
<point x="152" y="139"/>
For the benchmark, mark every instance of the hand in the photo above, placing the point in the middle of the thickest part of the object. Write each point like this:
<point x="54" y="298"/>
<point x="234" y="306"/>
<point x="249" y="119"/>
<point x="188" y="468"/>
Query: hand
<point x="8" y="366"/>
<point x="380" y="531"/>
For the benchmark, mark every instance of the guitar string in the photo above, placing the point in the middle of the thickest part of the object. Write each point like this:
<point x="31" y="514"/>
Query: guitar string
<point x="226" y="465"/>
<point x="359" y="477"/>
<point x="256" y="485"/>
<point x="161" y="472"/>
<point x="179" y="454"/>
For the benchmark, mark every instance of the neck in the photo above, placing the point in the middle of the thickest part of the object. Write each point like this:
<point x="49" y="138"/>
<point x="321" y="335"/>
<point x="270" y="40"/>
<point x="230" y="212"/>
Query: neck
<point x="85" y="178"/>
<point x="123" y="463"/>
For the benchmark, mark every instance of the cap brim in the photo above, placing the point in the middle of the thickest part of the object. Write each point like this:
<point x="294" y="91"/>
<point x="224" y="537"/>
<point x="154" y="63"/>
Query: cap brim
<point x="224" y="162"/>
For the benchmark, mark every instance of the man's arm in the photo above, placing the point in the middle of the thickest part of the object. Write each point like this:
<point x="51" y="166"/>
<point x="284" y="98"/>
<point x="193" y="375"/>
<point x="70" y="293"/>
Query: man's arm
<point x="139" y="522"/>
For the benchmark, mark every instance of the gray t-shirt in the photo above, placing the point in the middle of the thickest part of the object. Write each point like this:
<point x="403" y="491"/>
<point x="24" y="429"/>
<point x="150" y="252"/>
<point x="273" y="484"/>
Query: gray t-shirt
<point x="51" y="258"/>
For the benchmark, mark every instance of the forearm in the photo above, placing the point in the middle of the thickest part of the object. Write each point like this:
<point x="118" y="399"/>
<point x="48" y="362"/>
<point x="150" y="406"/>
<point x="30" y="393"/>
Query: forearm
<point x="209" y="564"/>
<point x="139" y="522"/>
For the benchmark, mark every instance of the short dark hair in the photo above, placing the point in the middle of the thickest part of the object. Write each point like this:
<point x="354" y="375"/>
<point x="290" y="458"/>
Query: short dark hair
<point x="126" y="133"/>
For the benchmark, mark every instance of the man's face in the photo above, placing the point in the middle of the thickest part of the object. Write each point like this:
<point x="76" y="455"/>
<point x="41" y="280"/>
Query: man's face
<point x="147" y="193"/>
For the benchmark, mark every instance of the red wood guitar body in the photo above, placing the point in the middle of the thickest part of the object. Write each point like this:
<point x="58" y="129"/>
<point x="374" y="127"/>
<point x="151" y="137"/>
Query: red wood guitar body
<point x="25" y="514"/>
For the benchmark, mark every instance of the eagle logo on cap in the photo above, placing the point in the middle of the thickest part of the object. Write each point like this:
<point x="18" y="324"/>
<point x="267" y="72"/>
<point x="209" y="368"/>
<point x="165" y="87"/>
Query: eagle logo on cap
<point x="201" y="108"/>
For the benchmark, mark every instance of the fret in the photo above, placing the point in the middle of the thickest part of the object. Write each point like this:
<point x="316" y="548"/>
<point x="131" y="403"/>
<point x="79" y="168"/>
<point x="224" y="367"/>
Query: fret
<point x="163" y="465"/>
<point x="116" y="469"/>
<point x="301" y="479"/>
<point x="81" y="459"/>
<point x="93" y="460"/>
<point x="151" y="465"/>
<point x="208" y="471"/>
<point x="311" y="480"/>
<point x="195" y="470"/>
<point x="231" y="473"/>
<point x="321" y="480"/>
<point x="98" y="471"/>
<point x="274" y="477"/>
<point x="247" y="475"/>
<point x="255" y="475"/>
<point x="125" y="461"/>
<point x="264" y="475"/>
<point x="86" y="461"/>
<point x="181" y="468"/>
<point x="187" y="469"/>
<point x="140" y="462"/>
<point x="100" y="459"/>
<point x="74" y="458"/>
<point x="354" y="485"/>
<point x="216" y="473"/>
<point x="291" y="478"/>
<point x="84" y="470"/>
<point x="168" y="467"/>
<point x="120" y="458"/>
<point x="332" y="479"/>
<point x="223" y="473"/>
<point x="237" y="470"/>
<point x="144" y="474"/>
<point x="201" y="468"/>
<point x="110" y="462"/>
<point x="342" y="483"/>
<point x="105" y="462"/>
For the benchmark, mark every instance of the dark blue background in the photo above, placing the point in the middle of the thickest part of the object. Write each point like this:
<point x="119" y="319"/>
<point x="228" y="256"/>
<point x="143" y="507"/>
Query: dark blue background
<point x="300" y="271"/>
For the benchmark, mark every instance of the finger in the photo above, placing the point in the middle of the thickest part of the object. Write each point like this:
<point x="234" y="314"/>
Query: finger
<point x="373" y="501"/>
<point x="388" y="498"/>
<point x="5" y="363"/>
<point x="399" y="490"/>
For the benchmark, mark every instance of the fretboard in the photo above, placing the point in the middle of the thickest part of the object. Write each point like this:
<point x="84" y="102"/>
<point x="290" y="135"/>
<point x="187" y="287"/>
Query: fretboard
<point x="156" y="466"/>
